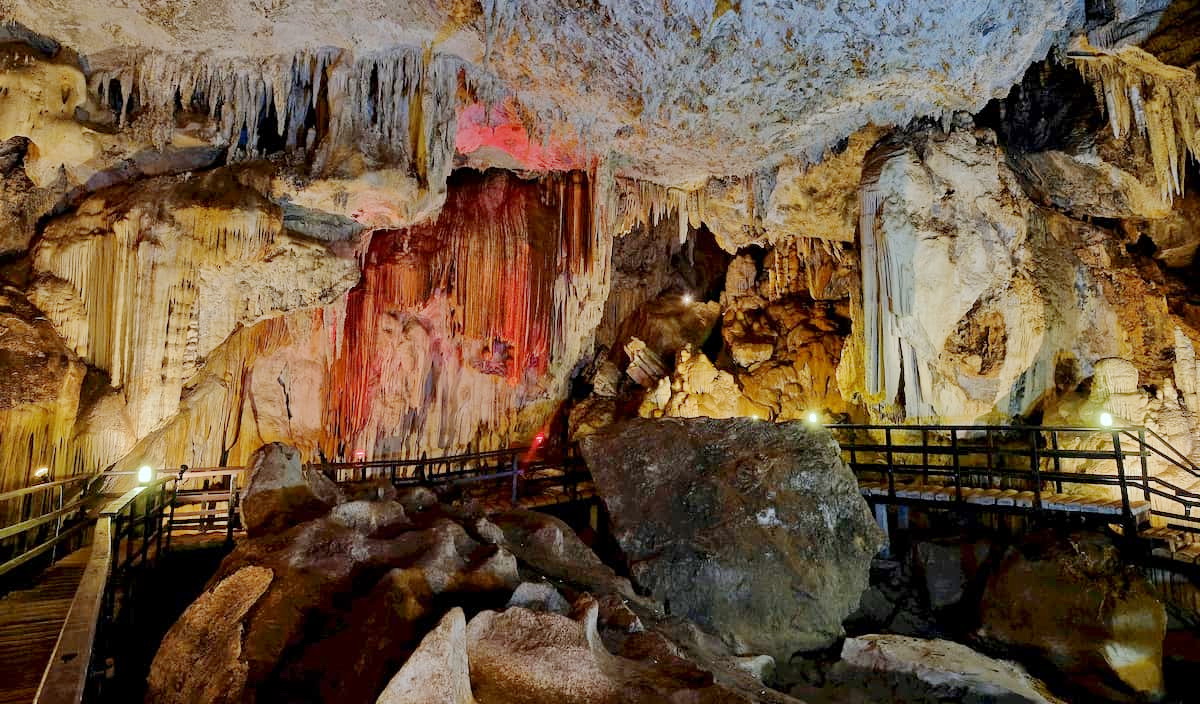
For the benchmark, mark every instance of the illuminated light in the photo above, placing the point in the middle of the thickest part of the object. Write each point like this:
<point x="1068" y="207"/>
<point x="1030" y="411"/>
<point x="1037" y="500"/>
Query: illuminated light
<point x="1106" y="419"/>
<point x="539" y="438"/>
<point x="755" y="416"/>
<point x="813" y="418"/>
<point x="687" y="299"/>
<point x="145" y="474"/>
<point x="41" y="472"/>
<point x="360" y="455"/>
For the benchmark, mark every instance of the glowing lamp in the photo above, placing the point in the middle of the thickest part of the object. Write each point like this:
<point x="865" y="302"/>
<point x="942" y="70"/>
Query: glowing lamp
<point x="813" y="418"/>
<point x="539" y="439"/>
<point x="145" y="474"/>
<point x="41" y="472"/>
<point x="687" y="299"/>
<point x="1106" y="420"/>
<point x="360" y="455"/>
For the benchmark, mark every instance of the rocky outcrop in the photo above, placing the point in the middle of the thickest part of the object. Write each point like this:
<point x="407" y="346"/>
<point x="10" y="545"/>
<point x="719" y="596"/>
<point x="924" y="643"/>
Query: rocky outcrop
<point x="39" y="397"/>
<point x="365" y="603"/>
<point x="282" y="492"/>
<point x="1077" y="605"/>
<point x="903" y="669"/>
<point x="208" y="639"/>
<point x="437" y="671"/>
<point x="753" y="530"/>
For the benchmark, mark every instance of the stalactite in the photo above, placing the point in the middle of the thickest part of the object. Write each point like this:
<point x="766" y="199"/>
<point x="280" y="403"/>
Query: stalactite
<point x="396" y="107"/>
<point x="1161" y="102"/>
<point x="490" y="292"/>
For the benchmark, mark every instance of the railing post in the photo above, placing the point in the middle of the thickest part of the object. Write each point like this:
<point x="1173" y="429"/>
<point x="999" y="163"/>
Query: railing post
<point x="989" y="456"/>
<point x="516" y="470"/>
<point x="957" y="465"/>
<point x="887" y="439"/>
<point x="1035" y="469"/>
<point x="174" y="500"/>
<point x="925" y="455"/>
<point x="1126" y="511"/>
<point x="1144" y="453"/>
<point x="1057" y="461"/>
<point x="231" y="518"/>
<point x="160" y="515"/>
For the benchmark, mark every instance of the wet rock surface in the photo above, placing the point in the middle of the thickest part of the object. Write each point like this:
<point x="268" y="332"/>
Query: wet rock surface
<point x="755" y="531"/>
<point x="1077" y="605"/>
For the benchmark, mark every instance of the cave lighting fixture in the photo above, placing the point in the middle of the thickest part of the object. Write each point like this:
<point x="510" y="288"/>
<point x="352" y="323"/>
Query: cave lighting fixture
<point x="1106" y="420"/>
<point x="145" y="473"/>
<point x="813" y="418"/>
<point x="687" y="299"/>
<point x="41" y="472"/>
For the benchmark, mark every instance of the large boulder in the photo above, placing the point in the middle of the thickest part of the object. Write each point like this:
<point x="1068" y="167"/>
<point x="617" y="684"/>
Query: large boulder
<point x="904" y="669"/>
<point x="1075" y="603"/>
<point x="282" y="492"/>
<point x="753" y="530"/>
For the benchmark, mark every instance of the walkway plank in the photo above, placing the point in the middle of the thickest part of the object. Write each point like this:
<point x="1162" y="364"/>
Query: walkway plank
<point x="30" y="621"/>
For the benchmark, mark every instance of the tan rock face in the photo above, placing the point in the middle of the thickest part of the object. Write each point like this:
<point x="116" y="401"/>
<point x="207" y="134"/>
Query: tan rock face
<point x="40" y="97"/>
<point x="145" y="282"/>
<point x="912" y="668"/>
<point x="437" y="671"/>
<point x="819" y="201"/>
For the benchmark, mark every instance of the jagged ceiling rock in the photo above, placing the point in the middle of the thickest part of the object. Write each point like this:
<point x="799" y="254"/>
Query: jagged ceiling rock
<point x="21" y="201"/>
<point x="679" y="90"/>
<point x="798" y="201"/>
<point x="1086" y="186"/>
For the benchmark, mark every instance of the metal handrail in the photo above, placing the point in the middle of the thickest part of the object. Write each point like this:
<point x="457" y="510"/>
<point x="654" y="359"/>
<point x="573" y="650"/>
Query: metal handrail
<point x="1126" y="479"/>
<point x="121" y="542"/>
<point x="17" y="493"/>
<point x="53" y="509"/>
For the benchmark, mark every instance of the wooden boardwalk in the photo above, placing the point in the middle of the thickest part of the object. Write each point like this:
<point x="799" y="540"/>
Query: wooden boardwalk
<point x="30" y="621"/>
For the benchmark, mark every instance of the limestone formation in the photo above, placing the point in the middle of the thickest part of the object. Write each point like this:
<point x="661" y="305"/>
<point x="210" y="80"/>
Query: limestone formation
<point x="725" y="521"/>
<point x="929" y="670"/>
<point x="39" y="397"/>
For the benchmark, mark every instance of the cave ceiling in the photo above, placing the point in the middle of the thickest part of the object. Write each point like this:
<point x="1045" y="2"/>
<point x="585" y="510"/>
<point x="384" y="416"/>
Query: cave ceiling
<point x="675" y="91"/>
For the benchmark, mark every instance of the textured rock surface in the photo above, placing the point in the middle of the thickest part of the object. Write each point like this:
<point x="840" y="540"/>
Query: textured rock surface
<point x="39" y="397"/>
<point x="338" y="609"/>
<point x="1073" y="602"/>
<point x="755" y="531"/>
<point x="208" y="639"/>
<point x="793" y="77"/>
<point x="437" y="671"/>
<point x="936" y="670"/>
<point x="282" y="492"/>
